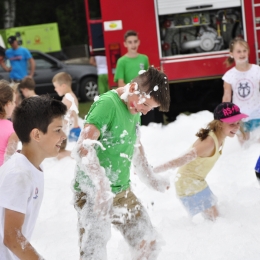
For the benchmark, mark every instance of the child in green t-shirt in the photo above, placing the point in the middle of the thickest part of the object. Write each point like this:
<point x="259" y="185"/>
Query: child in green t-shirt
<point x="129" y="65"/>
<point x="132" y="62"/>
<point x="102" y="182"/>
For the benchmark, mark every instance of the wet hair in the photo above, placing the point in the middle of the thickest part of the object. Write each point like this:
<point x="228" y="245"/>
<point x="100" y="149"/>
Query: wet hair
<point x="62" y="78"/>
<point x="214" y="126"/>
<point x="36" y="112"/>
<point x="6" y="95"/>
<point x="230" y="61"/>
<point x="27" y="83"/>
<point x="130" y="33"/>
<point x="152" y="79"/>
<point x="2" y="51"/>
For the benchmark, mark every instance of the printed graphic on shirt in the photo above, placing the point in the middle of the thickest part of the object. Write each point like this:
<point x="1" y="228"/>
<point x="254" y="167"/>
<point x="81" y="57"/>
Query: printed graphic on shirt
<point x="16" y="58"/>
<point x="36" y="193"/>
<point x="244" y="89"/>
<point x="141" y="66"/>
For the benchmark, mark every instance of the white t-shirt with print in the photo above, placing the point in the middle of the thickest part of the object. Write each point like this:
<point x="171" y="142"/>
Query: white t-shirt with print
<point x="245" y="87"/>
<point x="21" y="190"/>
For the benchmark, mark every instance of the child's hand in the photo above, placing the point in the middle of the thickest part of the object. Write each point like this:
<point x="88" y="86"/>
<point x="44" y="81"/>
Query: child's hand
<point x="160" y="184"/>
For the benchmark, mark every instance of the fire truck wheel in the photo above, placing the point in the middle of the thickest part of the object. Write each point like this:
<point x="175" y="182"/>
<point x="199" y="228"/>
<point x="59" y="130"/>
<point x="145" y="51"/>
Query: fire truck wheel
<point x="88" y="89"/>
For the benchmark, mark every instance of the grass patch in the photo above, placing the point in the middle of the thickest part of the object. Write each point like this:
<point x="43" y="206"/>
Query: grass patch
<point x="84" y="108"/>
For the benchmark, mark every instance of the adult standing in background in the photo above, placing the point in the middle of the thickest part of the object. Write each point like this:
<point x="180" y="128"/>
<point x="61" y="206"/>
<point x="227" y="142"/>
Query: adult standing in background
<point x="2" y="57"/>
<point x="99" y="60"/>
<point x="19" y="57"/>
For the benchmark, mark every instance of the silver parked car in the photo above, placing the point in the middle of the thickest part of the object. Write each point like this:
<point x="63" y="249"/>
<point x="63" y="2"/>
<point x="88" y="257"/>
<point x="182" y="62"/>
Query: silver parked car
<point x="84" y="77"/>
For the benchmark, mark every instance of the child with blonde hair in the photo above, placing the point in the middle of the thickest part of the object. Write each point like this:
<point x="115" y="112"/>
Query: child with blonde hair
<point x="191" y="186"/>
<point x="63" y="86"/>
<point x="8" y="137"/>
<point x="241" y="85"/>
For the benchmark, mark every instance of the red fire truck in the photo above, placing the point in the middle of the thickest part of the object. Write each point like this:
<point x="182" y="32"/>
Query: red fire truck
<point x="187" y="39"/>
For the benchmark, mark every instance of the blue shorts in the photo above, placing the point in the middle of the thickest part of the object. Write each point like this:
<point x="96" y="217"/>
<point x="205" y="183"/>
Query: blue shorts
<point x="74" y="134"/>
<point x="199" y="202"/>
<point x="251" y="125"/>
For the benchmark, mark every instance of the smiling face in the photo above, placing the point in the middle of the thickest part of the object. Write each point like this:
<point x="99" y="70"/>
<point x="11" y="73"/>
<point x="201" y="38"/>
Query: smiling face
<point x="51" y="141"/>
<point x="139" y="103"/>
<point x="132" y="43"/>
<point x="230" y="129"/>
<point x="240" y="53"/>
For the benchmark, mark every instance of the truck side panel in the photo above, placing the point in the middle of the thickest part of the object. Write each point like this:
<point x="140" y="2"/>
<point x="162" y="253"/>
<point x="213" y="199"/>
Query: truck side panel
<point x="135" y="15"/>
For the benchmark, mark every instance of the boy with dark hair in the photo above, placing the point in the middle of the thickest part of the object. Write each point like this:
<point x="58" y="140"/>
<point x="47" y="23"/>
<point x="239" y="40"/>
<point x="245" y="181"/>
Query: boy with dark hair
<point x="132" y="62"/>
<point x="27" y="87"/>
<point x="128" y="67"/>
<point x="104" y="172"/>
<point x="38" y="123"/>
<point x="130" y="33"/>
<point x="19" y="58"/>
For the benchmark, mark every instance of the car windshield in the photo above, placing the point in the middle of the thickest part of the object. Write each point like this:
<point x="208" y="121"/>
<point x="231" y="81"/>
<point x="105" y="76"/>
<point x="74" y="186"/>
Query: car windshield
<point x="42" y="62"/>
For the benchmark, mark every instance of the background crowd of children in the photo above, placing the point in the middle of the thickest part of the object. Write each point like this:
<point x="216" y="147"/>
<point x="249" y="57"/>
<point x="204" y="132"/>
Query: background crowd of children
<point x="43" y="125"/>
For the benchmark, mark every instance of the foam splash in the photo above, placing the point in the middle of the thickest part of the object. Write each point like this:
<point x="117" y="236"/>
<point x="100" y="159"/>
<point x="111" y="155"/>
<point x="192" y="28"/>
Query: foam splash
<point x="95" y="193"/>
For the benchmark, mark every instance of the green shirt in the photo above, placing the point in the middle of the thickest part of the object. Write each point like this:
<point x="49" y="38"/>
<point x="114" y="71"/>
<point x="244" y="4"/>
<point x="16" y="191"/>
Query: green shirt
<point x="128" y="68"/>
<point x="118" y="132"/>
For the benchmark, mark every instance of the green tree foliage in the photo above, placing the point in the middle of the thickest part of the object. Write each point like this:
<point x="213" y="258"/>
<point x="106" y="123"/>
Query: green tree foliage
<point x="70" y="16"/>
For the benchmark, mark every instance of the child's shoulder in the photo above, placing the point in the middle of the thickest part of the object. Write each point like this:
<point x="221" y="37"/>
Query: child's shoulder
<point x="255" y="67"/>
<point x="143" y="55"/>
<point x="69" y="98"/>
<point x="16" y="164"/>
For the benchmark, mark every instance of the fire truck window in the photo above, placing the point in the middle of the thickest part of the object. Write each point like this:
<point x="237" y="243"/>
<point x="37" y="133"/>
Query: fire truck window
<point x="94" y="9"/>
<point x="200" y="31"/>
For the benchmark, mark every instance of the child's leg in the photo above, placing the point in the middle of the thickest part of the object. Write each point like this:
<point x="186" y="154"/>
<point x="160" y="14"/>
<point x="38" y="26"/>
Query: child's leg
<point x="132" y="220"/>
<point x="102" y="83"/>
<point x="201" y="202"/>
<point x="211" y="213"/>
<point x="94" y="231"/>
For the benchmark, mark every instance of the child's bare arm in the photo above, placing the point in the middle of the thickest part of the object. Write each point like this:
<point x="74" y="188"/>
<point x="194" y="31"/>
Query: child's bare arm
<point x="89" y="132"/>
<point x="3" y="65"/>
<point x="66" y="102"/>
<point x="121" y="83"/>
<point x="187" y="157"/>
<point x="92" y="61"/>
<point x="203" y="148"/>
<point x="145" y="172"/>
<point x="14" y="240"/>
<point x="227" y="92"/>
<point x="88" y="162"/>
<point x="11" y="146"/>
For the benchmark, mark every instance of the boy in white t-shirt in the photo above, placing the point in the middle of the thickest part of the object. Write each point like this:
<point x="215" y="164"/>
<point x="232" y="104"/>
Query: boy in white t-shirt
<point x="38" y="123"/>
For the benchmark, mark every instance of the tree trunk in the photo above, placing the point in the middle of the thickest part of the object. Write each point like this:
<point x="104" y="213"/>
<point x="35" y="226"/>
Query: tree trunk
<point x="9" y="18"/>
